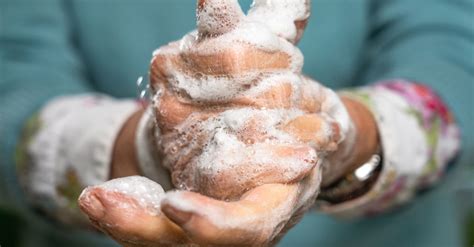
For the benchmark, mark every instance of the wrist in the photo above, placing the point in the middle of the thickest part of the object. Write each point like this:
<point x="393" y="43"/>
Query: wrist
<point x="366" y="136"/>
<point x="361" y="143"/>
<point x="124" y="156"/>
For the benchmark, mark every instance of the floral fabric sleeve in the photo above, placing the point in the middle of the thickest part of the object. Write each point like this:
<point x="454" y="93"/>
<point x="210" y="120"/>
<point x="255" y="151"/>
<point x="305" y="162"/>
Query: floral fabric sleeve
<point x="418" y="137"/>
<point x="66" y="147"/>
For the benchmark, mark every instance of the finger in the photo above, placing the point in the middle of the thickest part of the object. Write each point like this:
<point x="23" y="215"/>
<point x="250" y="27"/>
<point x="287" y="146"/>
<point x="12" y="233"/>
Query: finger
<point x="284" y="91"/>
<point x="171" y="111"/>
<point x="319" y="132"/>
<point x="252" y="221"/>
<point x="237" y="157"/>
<point x="287" y="19"/>
<point x="308" y="190"/>
<point x="311" y="94"/>
<point x="216" y="17"/>
<point x="262" y="164"/>
<point x="300" y="27"/>
<point x="128" y="209"/>
<point x="234" y="61"/>
<point x="273" y="92"/>
<point x="277" y="96"/>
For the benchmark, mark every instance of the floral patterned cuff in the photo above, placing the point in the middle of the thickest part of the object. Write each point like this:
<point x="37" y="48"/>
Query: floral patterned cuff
<point x="419" y="137"/>
<point x="68" y="146"/>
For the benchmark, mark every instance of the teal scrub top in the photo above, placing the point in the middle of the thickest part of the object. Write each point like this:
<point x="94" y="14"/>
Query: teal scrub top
<point x="59" y="47"/>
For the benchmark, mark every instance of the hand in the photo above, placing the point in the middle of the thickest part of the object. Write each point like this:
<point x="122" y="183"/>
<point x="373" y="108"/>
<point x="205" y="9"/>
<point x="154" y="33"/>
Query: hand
<point x="233" y="110"/>
<point x="282" y="125"/>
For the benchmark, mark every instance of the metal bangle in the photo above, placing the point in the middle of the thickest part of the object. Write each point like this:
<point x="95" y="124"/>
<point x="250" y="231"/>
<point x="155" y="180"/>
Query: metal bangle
<point x="354" y="184"/>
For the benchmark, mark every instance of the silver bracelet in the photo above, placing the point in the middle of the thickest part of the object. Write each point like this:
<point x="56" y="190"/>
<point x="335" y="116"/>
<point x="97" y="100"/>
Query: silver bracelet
<point x="354" y="184"/>
<point x="365" y="171"/>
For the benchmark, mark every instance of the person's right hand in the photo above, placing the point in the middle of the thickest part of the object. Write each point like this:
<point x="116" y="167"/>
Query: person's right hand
<point x="233" y="110"/>
<point x="248" y="153"/>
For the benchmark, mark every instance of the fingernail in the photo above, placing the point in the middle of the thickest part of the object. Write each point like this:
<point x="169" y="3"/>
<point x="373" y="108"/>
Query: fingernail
<point x="91" y="205"/>
<point x="178" y="216"/>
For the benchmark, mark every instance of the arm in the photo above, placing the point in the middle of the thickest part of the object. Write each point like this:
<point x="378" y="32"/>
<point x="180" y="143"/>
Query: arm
<point x="125" y="159"/>
<point x="431" y="44"/>
<point x="428" y="42"/>
<point x="68" y="141"/>
<point x="38" y="62"/>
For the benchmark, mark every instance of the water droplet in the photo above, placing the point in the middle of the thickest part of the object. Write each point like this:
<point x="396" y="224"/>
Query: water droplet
<point x="139" y="81"/>
<point x="143" y="88"/>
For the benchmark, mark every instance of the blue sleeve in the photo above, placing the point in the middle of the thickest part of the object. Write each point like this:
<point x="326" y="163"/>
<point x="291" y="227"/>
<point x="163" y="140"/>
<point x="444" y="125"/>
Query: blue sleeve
<point x="38" y="61"/>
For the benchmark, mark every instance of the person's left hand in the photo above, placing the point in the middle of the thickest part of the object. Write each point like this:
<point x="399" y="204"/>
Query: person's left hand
<point x="136" y="212"/>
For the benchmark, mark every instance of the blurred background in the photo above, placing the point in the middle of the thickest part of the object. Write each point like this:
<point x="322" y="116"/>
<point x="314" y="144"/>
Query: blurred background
<point x="19" y="228"/>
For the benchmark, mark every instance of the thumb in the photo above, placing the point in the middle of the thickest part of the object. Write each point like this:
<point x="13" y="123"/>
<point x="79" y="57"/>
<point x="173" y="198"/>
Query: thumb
<point x="252" y="221"/>
<point x="216" y="17"/>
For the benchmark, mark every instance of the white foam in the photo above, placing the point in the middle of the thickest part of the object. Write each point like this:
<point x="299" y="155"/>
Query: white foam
<point x="270" y="27"/>
<point x="203" y="87"/>
<point x="210" y="88"/>
<point x="218" y="16"/>
<point x="147" y="193"/>
<point x="257" y="35"/>
<point x="274" y="79"/>
<point x="177" y="200"/>
<point x="233" y="27"/>
<point x="225" y="150"/>
<point x="280" y="15"/>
